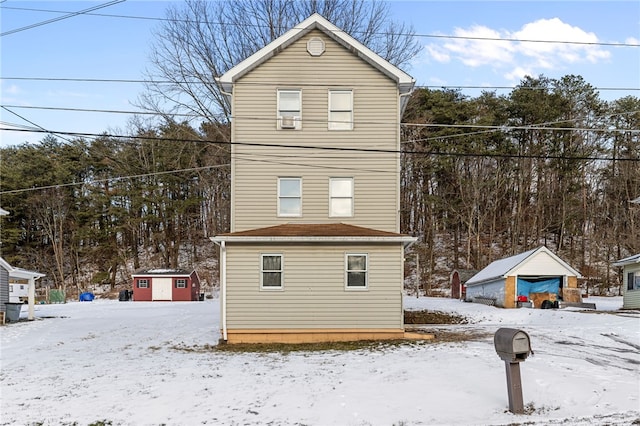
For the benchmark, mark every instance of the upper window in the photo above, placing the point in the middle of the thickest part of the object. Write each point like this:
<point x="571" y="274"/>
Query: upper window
<point x="289" y="109"/>
<point x="341" y="197"/>
<point x="271" y="271"/>
<point x="340" y="110"/>
<point x="181" y="283"/>
<point x="356" y="271"/>
<point x="143" y="283"/>
<point x="289" y="197"/>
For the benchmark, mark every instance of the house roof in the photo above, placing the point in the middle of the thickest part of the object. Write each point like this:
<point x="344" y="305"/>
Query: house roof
<point x="404" y="81"/>
<point x="502" y="268"/>
<point x="314" y="232"/>
<point x="162" y="271"/>
<point x="628" y="260"/>
<point x="19" y="272"/>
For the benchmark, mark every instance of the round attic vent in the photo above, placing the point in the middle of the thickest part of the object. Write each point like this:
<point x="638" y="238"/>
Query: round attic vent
<point x="315" y="46"/>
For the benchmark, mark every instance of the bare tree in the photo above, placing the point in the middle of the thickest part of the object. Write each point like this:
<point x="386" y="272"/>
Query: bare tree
<point x="201" y="40"/>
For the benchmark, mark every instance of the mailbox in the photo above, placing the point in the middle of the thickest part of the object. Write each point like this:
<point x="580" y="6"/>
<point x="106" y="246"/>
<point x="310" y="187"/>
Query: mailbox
<point x="512" y="345"/>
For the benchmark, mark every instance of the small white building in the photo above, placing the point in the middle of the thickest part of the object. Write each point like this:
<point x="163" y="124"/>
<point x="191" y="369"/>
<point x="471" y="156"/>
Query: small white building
<point x="630" y="281"/>
<point x="524" y="275"/>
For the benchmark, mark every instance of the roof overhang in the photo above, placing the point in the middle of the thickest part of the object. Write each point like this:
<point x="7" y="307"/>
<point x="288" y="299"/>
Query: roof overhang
<point x="403" y="80"/>
<point x="406" y="240"/>
<point x="628" y="260"/>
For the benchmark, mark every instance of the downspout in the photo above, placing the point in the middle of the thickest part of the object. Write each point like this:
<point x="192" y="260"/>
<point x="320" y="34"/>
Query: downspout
<point x="223" y="286"/>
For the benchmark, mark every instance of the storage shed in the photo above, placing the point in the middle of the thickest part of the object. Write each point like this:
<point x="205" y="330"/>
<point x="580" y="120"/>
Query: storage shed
<point x="530" y="277"/>
<point x="166" y="285"/>
<point x="630" y="281"/>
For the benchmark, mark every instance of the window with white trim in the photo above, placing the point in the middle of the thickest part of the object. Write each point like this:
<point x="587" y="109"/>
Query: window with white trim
<point x="340" y="110"/>
<point x="290" y="196"/>
<point x="271" y="271"/>
<point x="143" y="283"/>
<point x="181" y="283"/>
<point x="356" y="271"/>
<point x="340" y="197"/>
<point x="289" y="109"/>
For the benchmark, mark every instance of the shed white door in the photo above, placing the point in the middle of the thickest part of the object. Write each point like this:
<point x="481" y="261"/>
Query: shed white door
<point x="161" y="289"/>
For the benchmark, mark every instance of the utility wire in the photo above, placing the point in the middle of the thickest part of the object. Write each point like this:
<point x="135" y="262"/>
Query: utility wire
<point x="31" y="122"/>
<point x="377" y="33"/>
<point x="433" y="87"/>
<point x="273" y="119"/>
<point x="60" y="18"/>
<point x="360" y="150"/>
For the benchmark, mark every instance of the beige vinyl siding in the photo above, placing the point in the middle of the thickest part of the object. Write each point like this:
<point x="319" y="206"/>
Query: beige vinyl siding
<point x="256" y="168"/>
<point x="314" y="294"/>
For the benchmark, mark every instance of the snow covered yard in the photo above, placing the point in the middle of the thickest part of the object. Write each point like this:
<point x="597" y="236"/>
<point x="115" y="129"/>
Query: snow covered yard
<point x="120" y="362"/>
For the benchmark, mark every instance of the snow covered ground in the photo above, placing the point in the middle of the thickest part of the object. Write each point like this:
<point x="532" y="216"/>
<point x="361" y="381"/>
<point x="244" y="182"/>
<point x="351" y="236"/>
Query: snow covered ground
<point x="120" y="362"/>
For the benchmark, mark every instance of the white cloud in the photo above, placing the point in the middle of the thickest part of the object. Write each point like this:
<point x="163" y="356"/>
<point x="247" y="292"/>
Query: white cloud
<point x="520" y="58"/>
<point x="555" y="55"/>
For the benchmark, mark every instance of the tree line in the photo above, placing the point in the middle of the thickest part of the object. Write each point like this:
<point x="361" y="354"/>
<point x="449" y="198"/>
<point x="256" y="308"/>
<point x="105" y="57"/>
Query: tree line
<point x="550" y="163"/>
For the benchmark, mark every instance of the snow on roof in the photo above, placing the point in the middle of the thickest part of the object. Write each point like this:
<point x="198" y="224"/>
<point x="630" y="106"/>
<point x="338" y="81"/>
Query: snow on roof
<point x="19" y="272"/>
<point x="162" y="271"/>
<point x="501" y="268"/>
<point x="3" y="212"/>
<point x="636" y="201"/>
<point x="628" y="260"/>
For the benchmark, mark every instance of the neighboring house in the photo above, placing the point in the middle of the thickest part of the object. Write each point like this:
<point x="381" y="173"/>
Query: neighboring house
<point x="536" y="275"/>
<point x="4" y="285"/>
<point x="166" y="285"/>
<point x="18" y="291"/>
<point x="630" y="281"/>
<point x="9" y="275"/>
<point x="315" y="251"/>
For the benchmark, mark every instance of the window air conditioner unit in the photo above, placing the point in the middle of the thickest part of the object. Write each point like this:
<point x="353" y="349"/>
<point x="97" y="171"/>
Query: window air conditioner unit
<point x="288" y="122"/>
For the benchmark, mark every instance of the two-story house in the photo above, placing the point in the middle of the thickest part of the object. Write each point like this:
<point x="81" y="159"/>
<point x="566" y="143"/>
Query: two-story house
<point x="315" y="251"/>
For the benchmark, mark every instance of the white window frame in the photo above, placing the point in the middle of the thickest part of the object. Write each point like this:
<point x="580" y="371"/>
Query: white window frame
<point x="280" y="271"/>
<point x="142" y="283"/>
<point x="347" y="271"/>
<point x="336" y="197"/>
<point x="296" y="114"/>
<point x="633" y="278"/>
<point x="333" y="123"/>
<point x="280" y="197"/>
<point x="181" y="283"/>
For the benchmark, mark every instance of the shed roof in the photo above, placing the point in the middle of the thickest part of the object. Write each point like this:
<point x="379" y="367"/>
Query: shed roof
<point x="502" y="268"/>
<point x="404" y="81"/>
<point x="628" y="260"/>
<point x="314" y="232"/>
<point x="162" y="271"/>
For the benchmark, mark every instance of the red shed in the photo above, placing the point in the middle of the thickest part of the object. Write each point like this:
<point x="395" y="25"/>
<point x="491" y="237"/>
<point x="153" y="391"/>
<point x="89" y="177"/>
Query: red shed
<point x="166" y="285"/>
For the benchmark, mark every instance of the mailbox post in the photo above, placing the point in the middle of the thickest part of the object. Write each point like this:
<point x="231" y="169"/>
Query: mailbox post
<point x="513" y="346"/>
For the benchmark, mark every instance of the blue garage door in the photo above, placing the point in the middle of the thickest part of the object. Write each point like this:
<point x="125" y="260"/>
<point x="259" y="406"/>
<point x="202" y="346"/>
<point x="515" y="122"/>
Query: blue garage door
<point x="538" y="285"/>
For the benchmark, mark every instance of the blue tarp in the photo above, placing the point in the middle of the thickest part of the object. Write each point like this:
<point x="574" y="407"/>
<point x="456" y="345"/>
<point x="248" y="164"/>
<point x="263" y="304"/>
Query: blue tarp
<point x="538" y="285"/>
<point x="86" y="296"/>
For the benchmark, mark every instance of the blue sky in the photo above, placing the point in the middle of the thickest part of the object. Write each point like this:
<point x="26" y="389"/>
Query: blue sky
<point x="98" y="47"/>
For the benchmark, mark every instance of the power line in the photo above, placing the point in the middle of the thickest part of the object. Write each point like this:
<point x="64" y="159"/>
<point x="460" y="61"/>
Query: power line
<point x="31" y="122"/>
<point x="437" y="36"/>
<point x="273" y="119"/>
<point x="263" y="83"/>
<point x="360" y="150"/>
<point x="60" y="18"/>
